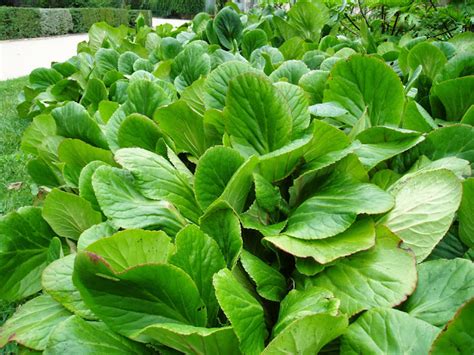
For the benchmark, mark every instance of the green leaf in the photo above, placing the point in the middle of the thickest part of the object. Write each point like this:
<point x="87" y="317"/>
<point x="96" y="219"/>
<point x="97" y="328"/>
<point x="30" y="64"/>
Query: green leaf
<point x="42" y="78"/>
<point x="457" y="335"/>
<point x="360" y="83"/>
<point x="145" y="97"/>
<point x="86" y="190"/>
<point x="199" y="255"/>
<point x="213" y="173"/>
<point x="25" y="238"/>
<point x="298" y="103"/>
<point x="193" y="340"/>
<point x="308" y="18"/>
<point x="94" y="233"/>
<point x="290" y="71"/>
<point x="94" y="93"/>
<point x="381" y="277"/>
<point x="133" y="247"/>
<point x="299" y="304"/>
<point x="335" y="207"/>
<point x="57" y="282"/>
<point x="466" y="213"/>
<point x="69" y="215"/>
<point x="42" y="127"/>
<point x="76" y="155"/>
<point x="125" y="62"/>
<point x="138" y="131"/>
<point x="127" y="208"/>
<point x="271" y="285"/>
<point x="222" y="224"/>
<point x="190" y="65"/>
<point x="308" y="335"/>
<point x="157" y="179"/>
<point x="73" y="121"/>
<point x="417" y="118"/>
<point x="431" y="59"/>
<point x="456" y="96"/>
<point x="244" y="312"/>
<point x="425" y="204"/>
<point x="382" y="143"/>
<point x="359" y="236"/>
<point x="137" y="297"/>
<point x="228" y="27"/>
<point x="185" y="127"/>
<point x="217" y="82"/>
<point x="443" y="286"/>
<point x="252" y="40"/>
<point x="388" y="331"/>
<point x="76" y="335"/>
<point x="258" y="120"/>
<point x="33" y="322"/>
<point x="267" y="196"/>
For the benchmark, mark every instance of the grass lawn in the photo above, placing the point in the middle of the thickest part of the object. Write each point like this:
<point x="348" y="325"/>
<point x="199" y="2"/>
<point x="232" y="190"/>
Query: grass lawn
<point x="12" y="167"/>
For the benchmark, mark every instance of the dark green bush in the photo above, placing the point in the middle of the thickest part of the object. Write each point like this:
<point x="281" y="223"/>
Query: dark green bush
<point x="18" y="22"/>
<point x="176" y="8"/>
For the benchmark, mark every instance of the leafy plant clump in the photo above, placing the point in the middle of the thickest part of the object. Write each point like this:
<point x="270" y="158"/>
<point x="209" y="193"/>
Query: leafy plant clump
<point x="249" y="183"/>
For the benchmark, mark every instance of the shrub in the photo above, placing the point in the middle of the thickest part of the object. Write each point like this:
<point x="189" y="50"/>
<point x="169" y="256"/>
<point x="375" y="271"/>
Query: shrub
<point x="19" y="23"/>
<point x="16" y="22"/>
<point x="180" y="8"/>
<point x="55" y="21"/>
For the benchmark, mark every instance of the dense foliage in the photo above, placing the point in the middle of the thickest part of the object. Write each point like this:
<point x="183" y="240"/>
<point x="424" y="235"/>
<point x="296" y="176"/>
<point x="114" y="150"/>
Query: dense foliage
<point x="39" y="22"/>
<point x="250" y="183"/>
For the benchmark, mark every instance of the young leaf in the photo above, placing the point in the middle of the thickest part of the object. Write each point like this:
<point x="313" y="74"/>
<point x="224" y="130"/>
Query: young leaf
<point x="243" y="311"/>
<point x="32" y="324"/>
<point x="69" y="215"/>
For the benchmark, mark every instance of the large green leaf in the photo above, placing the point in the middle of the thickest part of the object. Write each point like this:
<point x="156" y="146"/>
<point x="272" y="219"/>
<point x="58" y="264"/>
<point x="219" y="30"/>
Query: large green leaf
<point x="361" y="83"/>
<point x="307" y="335"/>
<point x="33" y="322"/>
<point x="86" y="191"/>
<point x="466" y="213"/>
<point x="456" y="95"/>
<point x="127" y="208"/>
<point x="425" y="204"/>
<point x="213" y="172"/>
<point x="443" y="286"/>
<point x="222" y="224"/>
<point x="388" y="331"/>
<point x="382" y="143"/>
<point x="228" y="27"/>
<point x="194" y="340"/>
<point x="69" y="215"/>
<point x="190" y="65"/>
<point x="217" y="83"/>
<point x="457" y="335"/>
<point x="138" y="131"/>
<point x="199" y="255"/>
<point x="185" y="127"/>
<point x="299" y="304"/>
<point x="57" y="282"/>
<point x="25" y="238"/>
<point x="359" y="236"/>
<point x="145" y="97"/>
<point x="308" y="18"/>
<point x="137" y="297"/>
<point x="430" y="57"/>
<point x="381" y="277"/>
<point x="157" y="179"/>
<point x="73" y="121"/>
<point x="335" y="207"/>
<point x="258" y="120"/>
<point x="271" y="284"/>
<point x="243" y="311"/>
<point x="133" y="247"/>
<point x="75" y="335"/>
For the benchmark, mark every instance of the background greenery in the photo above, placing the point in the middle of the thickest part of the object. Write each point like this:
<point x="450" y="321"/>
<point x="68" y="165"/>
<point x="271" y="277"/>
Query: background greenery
<point x="22" y="22"/>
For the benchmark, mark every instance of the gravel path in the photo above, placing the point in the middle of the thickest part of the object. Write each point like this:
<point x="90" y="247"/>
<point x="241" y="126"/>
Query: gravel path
<point x="20" y="57"/>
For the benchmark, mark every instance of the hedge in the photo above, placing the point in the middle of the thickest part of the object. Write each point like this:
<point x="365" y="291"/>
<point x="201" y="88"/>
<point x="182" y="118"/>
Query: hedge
<point x="176" y="8"/>
<point x="20" y="22"/>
